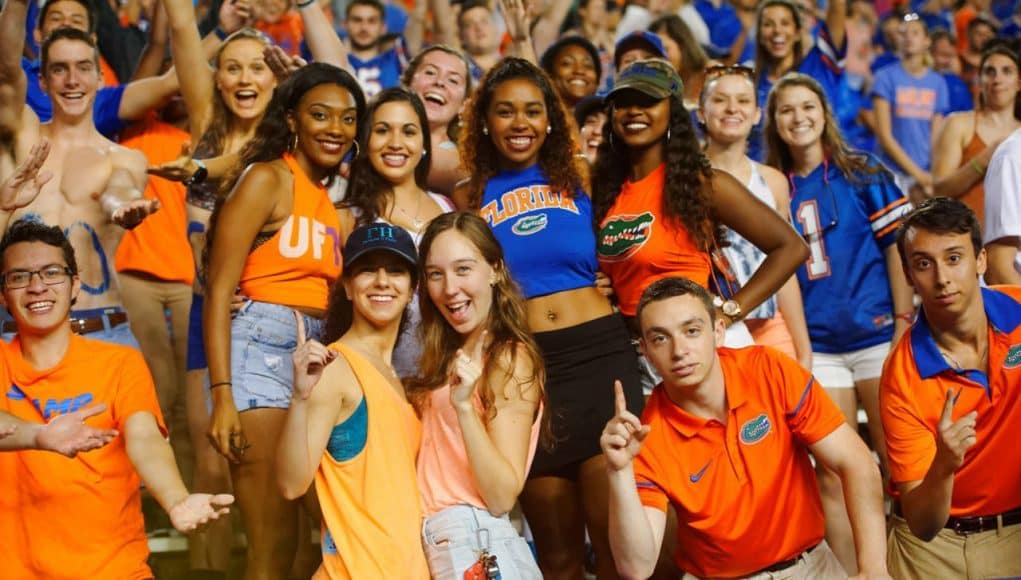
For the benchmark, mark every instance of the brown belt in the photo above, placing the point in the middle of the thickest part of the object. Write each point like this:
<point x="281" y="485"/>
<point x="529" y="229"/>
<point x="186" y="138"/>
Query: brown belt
<point x="779" y="566"/>
<point x="80" y="325"/>
<point x="965" y="526"/>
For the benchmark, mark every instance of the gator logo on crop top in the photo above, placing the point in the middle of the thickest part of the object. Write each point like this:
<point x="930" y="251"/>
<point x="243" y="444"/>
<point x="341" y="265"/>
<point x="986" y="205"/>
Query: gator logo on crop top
<point x="622" y="237"/>
<point x="523" y="200"/>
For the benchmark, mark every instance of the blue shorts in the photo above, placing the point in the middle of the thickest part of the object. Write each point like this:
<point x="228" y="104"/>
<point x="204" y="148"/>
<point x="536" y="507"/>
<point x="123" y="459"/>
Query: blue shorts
<point x="454" y="537"/>
<point x="262" y="338"/>
<point x="196" y="344"/>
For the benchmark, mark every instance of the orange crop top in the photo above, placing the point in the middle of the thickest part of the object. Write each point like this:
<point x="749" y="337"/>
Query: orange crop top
<point x="297" y="265"/>
<point x="637" y="246"/>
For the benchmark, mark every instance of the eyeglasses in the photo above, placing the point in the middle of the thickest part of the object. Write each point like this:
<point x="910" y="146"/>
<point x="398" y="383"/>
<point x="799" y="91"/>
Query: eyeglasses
<point x="720" y="70"/>
<point x="50" y="275"/>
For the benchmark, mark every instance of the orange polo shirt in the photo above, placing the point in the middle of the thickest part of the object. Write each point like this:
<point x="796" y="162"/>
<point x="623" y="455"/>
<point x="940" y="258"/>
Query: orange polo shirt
<point x="913" y="390"/>
<point x="745" y="492"/>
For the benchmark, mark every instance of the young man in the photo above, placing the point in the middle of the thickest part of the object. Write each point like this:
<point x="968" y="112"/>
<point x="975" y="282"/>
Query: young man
<point x="96" y="190"/>
<point x="377" y="64"/>
<point x="950" y="399"/>
<point x="725" y="439"/>
<point x="79" y="518"/>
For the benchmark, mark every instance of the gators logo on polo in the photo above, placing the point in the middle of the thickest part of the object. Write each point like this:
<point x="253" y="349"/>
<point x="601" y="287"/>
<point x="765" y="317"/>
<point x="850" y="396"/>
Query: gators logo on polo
<point x="530" y="224"/>
<point x="1013" y="359"/>
<point x="755" y="429"/>
<point x="622" y="237"/>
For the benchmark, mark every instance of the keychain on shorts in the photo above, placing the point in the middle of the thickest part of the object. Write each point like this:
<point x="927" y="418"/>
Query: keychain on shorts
<point x="486" y="567"/>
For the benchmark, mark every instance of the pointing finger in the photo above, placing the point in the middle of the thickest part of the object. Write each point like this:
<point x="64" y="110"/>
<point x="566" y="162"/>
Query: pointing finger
<point x="948" y="410"/>
<point x="620" y="403"/>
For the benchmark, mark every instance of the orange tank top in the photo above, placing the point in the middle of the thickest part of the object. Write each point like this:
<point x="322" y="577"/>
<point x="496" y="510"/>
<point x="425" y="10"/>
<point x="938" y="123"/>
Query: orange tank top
<point x="637" y="246"/>
<point x="975" y="196"/>
<point x="445" y="477"/>
<point x="369" y="503"/>
<point x="297" y="265"/>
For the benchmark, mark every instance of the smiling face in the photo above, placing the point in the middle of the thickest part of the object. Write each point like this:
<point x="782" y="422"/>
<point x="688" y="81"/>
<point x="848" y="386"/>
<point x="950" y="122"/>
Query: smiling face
<point x="71" y="77"/>
<point x="679" y="338"/>
<point x="244" y="79"/>
<point x="729" y="108"/>
<point x="65" y="14"/>
<point x="395" y="141"/>
<point x="799" y="118"/>
<point x="379" y="286"/>
<point x="592" y="135"/>
<point x="325" y="123"/>
<point x="38" y="308"/>
<point x="441" y="81"/>
<point x="777" y="32"/>
<point x="459" y="282"/>
<point x="574" y="73"/>
<point x="943" y="269"/>
<point x="999" y="81"/>
<point x="517" y="119"/>
<point x="640" y="121"/>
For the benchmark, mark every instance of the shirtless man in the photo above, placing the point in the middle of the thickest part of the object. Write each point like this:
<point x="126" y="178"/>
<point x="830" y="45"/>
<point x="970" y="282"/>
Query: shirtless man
<point x="96" y="186"/>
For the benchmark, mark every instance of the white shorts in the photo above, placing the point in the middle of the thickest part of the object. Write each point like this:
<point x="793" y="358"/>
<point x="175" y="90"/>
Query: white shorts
<point x="842" y="371"/>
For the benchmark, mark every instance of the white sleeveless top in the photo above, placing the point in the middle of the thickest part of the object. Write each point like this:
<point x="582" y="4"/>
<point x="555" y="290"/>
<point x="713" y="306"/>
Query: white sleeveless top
<point x="743" y="256"/>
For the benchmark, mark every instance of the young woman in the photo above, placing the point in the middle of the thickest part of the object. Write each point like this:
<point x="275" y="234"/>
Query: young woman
<point x="661" y="213"/>
<point x="388" y="184"/>
<point x="480" y="398"/>
<point x="727" y="112"/>
<point x="684" y="53"/>
<point x="525" y="184"/>
<point x="969" y="139"/>
<point x="349" y="428"/>
<point x="441" y="77"/>
<point x="909" y="100"/>
<point x="780" y="48"/>
<point x="574" y="66"/>
<point x="224" y="107"/>
<point x="272" y="237"/>
<point x="856" y="299"/>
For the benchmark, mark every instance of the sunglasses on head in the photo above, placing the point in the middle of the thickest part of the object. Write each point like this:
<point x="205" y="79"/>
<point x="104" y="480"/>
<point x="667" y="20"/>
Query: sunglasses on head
<point x="720" y="70"/>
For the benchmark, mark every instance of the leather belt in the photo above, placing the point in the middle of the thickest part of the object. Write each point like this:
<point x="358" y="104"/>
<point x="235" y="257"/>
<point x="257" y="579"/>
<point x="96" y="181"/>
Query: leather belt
<point x="81" y="325"/>
<point x="780" y="566"/>
<point x="968" y="526"/>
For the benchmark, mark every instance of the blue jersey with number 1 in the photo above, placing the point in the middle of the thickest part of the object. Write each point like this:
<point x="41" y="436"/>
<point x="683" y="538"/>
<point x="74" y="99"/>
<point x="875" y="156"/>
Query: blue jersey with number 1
<point x="844" y="283"/>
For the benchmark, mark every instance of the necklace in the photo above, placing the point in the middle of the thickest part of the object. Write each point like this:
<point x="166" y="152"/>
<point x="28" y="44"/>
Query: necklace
<point x="957" y="365"/>
<point x="416" y="221"/>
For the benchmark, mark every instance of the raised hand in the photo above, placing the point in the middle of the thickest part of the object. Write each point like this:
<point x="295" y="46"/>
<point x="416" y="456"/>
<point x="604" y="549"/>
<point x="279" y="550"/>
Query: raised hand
<point x="23" y="186"/>
<point x="235" y="14"/>
<point x="623" y="435"/>
<point x="954" y="438"/>
<point x="198" y="509"/>
<point x="68" y="434"/>
<point x="282" y="64"/>
<point x="466" y="373"/>
<point x="517" y="16"/>
<point x="130" y="214"/>
<point x="310" y="359"/>
<point x="180" y="169"/>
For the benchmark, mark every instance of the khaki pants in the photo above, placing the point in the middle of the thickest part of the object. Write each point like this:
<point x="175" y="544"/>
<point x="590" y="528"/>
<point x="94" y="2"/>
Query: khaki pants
<point x="820" y="564"/>
<point x="990" y="554"/>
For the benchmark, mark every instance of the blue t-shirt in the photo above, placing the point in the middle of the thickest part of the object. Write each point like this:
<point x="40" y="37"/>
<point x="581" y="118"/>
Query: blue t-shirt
<point x="959" y="95"/>
<point x="547" y="237"/>
<point x="723" y="23"/>
<point x="382" y="71"/>
<point x="914" y="101"/>
<point x="844" y="282"/>
<point x="824" y="63"/>
<point x="105" y="109"/>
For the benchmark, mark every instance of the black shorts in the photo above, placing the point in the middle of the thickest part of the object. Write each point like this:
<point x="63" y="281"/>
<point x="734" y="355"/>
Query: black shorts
<point x="582" y="362"/>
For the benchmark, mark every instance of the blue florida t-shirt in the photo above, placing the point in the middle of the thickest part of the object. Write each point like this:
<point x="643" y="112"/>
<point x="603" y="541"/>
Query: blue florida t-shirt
<point x="844" y="282"/>
<point x="914" y="101"/>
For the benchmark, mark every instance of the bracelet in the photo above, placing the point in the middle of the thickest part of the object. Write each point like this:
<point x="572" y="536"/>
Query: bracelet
<point x="304" y="3"/>
<point x="905" y="316"/>
<point x="220" y="33"/>
<point x="977" y="167"/>
<point x="220" y="384"/>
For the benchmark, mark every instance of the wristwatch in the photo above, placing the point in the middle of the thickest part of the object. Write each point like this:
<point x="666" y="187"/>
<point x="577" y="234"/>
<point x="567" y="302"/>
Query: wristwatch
<point x="200" y="174"/>
<point x="732" y="310"/>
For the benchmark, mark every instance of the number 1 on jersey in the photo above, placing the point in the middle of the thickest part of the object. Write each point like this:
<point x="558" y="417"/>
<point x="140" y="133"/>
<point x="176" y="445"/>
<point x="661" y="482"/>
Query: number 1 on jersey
<point x="818" y="263"/>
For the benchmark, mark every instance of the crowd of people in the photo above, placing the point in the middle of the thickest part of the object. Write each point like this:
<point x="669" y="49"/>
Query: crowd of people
<point x="512" y="288"/>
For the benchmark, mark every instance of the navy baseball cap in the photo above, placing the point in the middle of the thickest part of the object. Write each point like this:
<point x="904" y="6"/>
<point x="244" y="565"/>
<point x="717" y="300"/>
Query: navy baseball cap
<point x="638" y="39"/>
<point x="380" y="237"/>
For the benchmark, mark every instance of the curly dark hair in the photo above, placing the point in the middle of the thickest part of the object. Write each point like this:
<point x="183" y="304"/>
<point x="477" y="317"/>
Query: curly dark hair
<point x="480" y="157"/>
<point x="687" y="195"/>
<point x="273" y="135"/>
<point x="368" y="191"/>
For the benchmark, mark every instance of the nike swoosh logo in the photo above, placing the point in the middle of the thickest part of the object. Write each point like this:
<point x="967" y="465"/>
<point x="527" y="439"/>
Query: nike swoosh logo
<point x="697" y="476"/>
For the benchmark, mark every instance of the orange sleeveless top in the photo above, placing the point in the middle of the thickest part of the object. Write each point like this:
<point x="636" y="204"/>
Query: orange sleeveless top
<point x="974" y="197"/>
<point x="372" y="519"/>
<point x="637" y="246"/>
<point x="297" y="265"/>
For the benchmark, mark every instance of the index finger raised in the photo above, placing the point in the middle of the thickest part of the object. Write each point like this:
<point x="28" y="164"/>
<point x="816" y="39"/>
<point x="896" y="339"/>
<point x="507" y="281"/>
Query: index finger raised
<point x="946" y="418"/>
<point x="619" y="401"/>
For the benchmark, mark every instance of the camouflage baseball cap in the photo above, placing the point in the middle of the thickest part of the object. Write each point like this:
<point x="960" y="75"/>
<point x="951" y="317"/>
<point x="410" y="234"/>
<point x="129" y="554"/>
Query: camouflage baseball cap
<point x="654" y="77"/>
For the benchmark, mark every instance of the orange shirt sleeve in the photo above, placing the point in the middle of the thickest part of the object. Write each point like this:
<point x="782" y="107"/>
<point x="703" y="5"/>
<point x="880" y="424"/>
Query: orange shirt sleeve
<point x="136" y="391"/>
<point x="809" y="411"/>
<point x="910" y="441"/>
<point x="649" y="476"/>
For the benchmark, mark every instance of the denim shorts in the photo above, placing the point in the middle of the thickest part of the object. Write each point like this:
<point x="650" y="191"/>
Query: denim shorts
<point x="262" y="338"/>
<point x="454" y="538"/>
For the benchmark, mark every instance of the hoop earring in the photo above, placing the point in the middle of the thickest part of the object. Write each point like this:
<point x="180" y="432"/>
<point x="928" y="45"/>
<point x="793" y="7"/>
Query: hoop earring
<point x="485" y="130"/>
<point x="294" y="142"/>
<point x="357" y="150"/>
<point x="549" y="129"/>
<point x="668" y="134"/>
